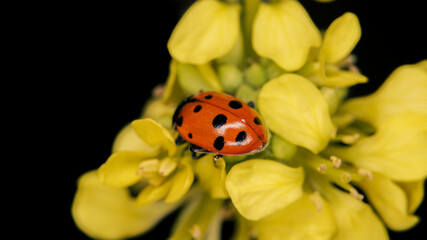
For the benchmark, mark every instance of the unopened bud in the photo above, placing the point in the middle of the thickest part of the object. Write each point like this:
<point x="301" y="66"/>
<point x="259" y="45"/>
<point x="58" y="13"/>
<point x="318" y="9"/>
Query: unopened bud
<point x="230" y="77"/>
<point x="255" y="75"/>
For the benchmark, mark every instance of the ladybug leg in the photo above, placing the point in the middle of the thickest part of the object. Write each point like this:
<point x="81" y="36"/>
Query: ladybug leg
<point x="251" y="104"/>
<point x="196" y="149"/>
<point x="179" y="140"/>
<point x="215" y="159"/>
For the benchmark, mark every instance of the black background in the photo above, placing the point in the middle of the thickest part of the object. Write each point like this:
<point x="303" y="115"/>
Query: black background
<point x="96" y="65"/>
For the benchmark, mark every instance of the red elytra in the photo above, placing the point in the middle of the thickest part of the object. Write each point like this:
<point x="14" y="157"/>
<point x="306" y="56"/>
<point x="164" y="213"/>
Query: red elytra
<point x="220" y="123"/>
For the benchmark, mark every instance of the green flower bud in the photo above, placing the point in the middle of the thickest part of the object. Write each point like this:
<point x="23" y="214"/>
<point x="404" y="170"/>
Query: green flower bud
<point x="282" y="149"/>
<point x="255" y="75"/>
<point x="191" y="80"/>
<point x="334" y="97"/>
<point x="246" y="93"/>
<point x="230" y="77"/>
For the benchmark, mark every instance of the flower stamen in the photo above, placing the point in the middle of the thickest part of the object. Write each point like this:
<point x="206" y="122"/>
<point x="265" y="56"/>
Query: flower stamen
<point x="167" y="166"/>
<point x="317" y="200"/>
<point x="366" y="173"/>
<point x="322" y="168"/>
<point x="148" y="167"/>
<point x="354" y="193"/>
<point x="195" y="231"/>
<point x="349" y="138"/>
<point x="336" y="161"/>
<point x="345" y="177"/>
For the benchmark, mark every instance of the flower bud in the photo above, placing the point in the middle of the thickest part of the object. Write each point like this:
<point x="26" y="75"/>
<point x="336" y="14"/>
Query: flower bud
<point x="230" y="77"/>
<point x="255" y="75"/>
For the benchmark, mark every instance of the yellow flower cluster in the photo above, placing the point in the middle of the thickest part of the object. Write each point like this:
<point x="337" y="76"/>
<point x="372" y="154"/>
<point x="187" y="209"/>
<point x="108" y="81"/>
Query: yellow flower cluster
<point x="326" y="153"/>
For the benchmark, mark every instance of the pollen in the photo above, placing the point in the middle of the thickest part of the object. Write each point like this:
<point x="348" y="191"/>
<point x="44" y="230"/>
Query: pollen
<point x="354" y="193"/>
<point x="336" y="161"/>
<point x="195" y="231"/>
<point x="322" y="168"/>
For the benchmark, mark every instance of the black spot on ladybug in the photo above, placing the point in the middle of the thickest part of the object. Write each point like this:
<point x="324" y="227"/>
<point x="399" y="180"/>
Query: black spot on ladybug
<point x="190" y="135"/>
<point x="241" y="137"/>
<point x="208" y="96"/>
<point x="257" y="121"/>
<point x="197" y="108"/>
<point x="219" y="143"/>
<point x="235" y="104"/>
<point x="219" y="120"/>
<point x="179" y="121"/>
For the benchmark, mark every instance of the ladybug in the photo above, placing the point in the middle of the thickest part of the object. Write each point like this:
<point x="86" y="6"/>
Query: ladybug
<point x="218" y="123"/>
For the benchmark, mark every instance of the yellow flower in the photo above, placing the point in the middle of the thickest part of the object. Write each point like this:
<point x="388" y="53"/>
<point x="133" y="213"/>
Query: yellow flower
<point x="322" y="146"/>
<point x="208" y="30"/>
<point x="399" y="143"/>
<point x="294" y="109"/>
<point x="168" y="176"/>
<point x="199" y="218"/>
<point x="299" y="220"/>
<point x="284" y="32"/>
<point x="212" y="176"/>
<point x="404" y="91"/>
<point x="355" y="219"/>
<point x="390" y="201"/>
<point x="339" y="40"/>
<point x="258" y="187"/>
<point x="111" y="213"/>
<point x="187" y="79"/>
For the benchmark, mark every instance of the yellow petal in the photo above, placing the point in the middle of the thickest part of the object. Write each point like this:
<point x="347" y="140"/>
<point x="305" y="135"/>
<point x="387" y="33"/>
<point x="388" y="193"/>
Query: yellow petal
<point x="340" y="38"/>
<point x="181" y="182"/>
<point x="160" y="112"/>
<point x="208" y="30"/>
<point x="120" y="170"/>
<point x="355" y="219"/>
<point x="242" y="230"/>
<point x="258" y="187"/>
<point x="210" y="76"/>
<point x="334" y="77"/>
<point x="110" y="213"/>
<point x="284" y="32"/>
<point x="173" y="92"/>
<point x="294" y="109"/>
<point x="404" y="91"/>
<point x="390" y="201"/>
<point x="334" y="97"/>
<point x="299" y="220"/>
<point x="151" y="194"/>
<point x="414" y="192"/>
<point x="423" y="65"/>
<point x="196" y="217"/>
<point x="128" y="140"/>
<point x="191" y="79"/>
<point x="211" y="177"/>
<point x="154" y="134"/>
<point x="397" y="150"/>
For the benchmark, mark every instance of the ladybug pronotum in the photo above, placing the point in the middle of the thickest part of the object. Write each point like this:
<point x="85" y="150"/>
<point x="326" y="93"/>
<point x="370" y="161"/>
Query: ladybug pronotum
<point x="218" y="123"/>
